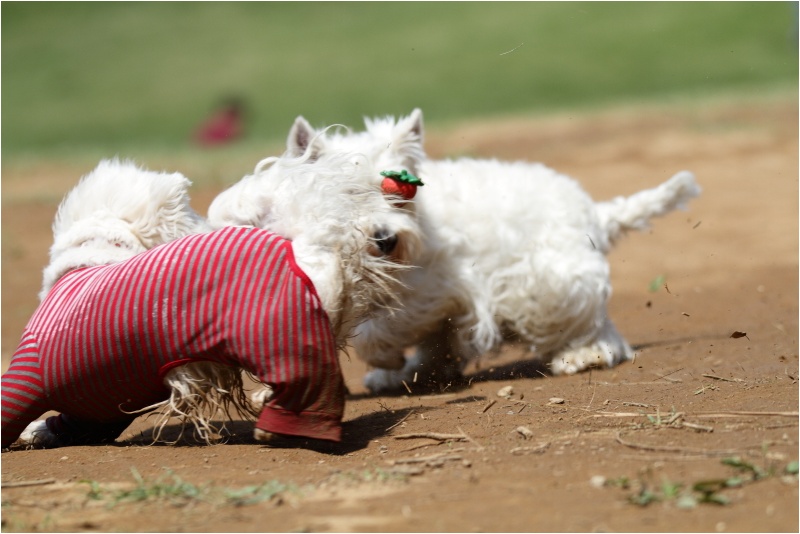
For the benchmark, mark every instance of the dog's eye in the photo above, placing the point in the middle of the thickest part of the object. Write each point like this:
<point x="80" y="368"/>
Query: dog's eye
<point x="385" y="242"/>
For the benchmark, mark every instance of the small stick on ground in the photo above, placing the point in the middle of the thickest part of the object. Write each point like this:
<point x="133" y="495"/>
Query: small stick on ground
<point x="646" y="383"/>
<point x="702" y="428"/>
<point x="674" y="417"/>
<point x="409" y="414"/>
<point x="673" y="372"/>
<point x="433" y="435"/>
<point x="25" y="483"/>
<point x="715" y="377"/>
<point x="440" y="456"/>
<point x="682" y="450"/>
<point x="441" y="437"/>
<point x="739" y="413"/>
<point x="422" y="446"/>
<point x="480" y="447"/>
<point x="538" y="449"/>
<point x="594" y="390"/>
<point x="489" y="405"/>
<point x="707" y="415"/>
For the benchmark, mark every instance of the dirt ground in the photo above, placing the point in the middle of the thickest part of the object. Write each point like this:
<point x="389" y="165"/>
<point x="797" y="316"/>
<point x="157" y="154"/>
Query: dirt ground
<point x="646" y="446"/>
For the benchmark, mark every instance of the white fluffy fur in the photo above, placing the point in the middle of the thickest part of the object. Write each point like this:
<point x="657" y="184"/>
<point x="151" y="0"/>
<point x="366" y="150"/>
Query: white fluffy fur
<point x="338" y="223"/>
<point x="506" y="248"/>
<point x="115" y="212"/>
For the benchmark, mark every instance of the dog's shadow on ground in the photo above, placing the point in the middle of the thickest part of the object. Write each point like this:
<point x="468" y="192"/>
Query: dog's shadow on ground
<point x="356" y="434"/>
<point x="528" y="368"/>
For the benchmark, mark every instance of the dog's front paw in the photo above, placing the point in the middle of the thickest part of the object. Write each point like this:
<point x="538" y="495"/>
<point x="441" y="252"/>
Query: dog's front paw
<point x="263" y="436"/>
<point x="420" y="374"/>
<point x="600" y="354"/>
<point x="37" y="436"/>
<point x="608" y="350"/>
<point x="386" y="381"/>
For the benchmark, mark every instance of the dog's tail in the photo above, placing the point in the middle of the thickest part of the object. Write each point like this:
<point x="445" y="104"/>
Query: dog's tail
<point x="621" y="214"/>
<point x="115" y="212"/>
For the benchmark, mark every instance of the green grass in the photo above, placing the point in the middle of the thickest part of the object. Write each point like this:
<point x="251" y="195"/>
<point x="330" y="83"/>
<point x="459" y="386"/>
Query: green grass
<point x="710" y="491"/>
<point x="127" y="78"/>
<point x="171" y="489"/>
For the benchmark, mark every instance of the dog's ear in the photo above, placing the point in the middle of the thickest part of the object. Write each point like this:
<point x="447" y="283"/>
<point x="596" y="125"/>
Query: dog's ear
<point x="411" y="126"/>
<point x="300" y="137"/>
<point x="407" y="140"/>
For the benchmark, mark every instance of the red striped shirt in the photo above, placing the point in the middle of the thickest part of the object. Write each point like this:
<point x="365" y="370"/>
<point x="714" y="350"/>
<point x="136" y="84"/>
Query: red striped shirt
<point x="104" y="337"/>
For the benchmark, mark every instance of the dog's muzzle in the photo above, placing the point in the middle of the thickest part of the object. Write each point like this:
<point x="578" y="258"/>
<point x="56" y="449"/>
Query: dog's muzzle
<point x="385" y="242"/>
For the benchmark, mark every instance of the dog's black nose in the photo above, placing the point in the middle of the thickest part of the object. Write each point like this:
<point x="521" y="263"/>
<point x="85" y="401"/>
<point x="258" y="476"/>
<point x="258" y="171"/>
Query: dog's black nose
<point x="385" y="241"/>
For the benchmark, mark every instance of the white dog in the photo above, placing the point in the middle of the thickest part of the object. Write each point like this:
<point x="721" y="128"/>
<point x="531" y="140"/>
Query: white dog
<point x="507" y="248"/>
<point x="115" y="212"/>
<point x="341" y="237"/>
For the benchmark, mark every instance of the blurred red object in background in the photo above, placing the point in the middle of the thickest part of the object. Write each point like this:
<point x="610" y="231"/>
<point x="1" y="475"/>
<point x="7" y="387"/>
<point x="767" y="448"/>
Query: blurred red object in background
<point x="225" y="124"/>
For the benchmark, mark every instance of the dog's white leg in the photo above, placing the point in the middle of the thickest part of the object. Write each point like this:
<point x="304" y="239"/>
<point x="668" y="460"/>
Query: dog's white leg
<point x="437" y="360"/>
<point x="260" y="395"/>
<point x="263" y="436"/>
<point x="607" y="350"/>
<point x="69" y="431"/>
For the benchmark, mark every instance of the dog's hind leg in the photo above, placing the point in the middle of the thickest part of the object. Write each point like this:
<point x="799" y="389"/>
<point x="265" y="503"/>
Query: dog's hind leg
<point x="24" y="399"/>
<point x="73" y="431"/>
<point x="20" y="406"/>
<point x="23" y="396"/>
<point x="62" y="429"/>
<point x="608" y="349"/>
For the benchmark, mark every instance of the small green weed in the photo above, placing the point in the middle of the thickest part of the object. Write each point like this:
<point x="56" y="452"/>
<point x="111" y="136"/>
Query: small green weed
<point x="703" y="491"/>
<point x="95" y="491"/>
<point x="272" y="489"/>
<point x="169" y="487"/>
<point x="791" y="468"/>
<point x="619" y="482"/>
<point x="657" y="283"/>
<point x="673" y="418"/>
<point x="172" y="489"/>
<point x="746" y="467"/>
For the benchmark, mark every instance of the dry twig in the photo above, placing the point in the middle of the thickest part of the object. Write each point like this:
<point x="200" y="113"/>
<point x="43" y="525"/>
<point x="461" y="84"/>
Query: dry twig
<point x="695" y="426"/>
<point x="409" y="414"/>
<point x="538" y="449"/>
<point x="433" y="435"/>
<point x="480" y="447"/>
<point x="715" y="377"/>
<point x="432" y="460"/>
<point x="740" y="413"/>
<point x="682" y="450"/>
<point x="25" y="483"/>
<point x="421" y="446"/>
<point x="708" y="415"/>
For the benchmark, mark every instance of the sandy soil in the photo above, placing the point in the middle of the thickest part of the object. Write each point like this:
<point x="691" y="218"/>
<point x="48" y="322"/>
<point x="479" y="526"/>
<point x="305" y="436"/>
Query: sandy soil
<point x="644" y="431"/>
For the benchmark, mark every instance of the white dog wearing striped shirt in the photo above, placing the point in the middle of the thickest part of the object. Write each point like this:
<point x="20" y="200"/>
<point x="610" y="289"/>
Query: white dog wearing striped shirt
<point x="346" y="237"/>
<point x="507" y="248"/>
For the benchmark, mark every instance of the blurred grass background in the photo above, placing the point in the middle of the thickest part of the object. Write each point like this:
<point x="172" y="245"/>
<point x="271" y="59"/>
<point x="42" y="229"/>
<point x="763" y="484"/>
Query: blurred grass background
<point x="134" y="79"/>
